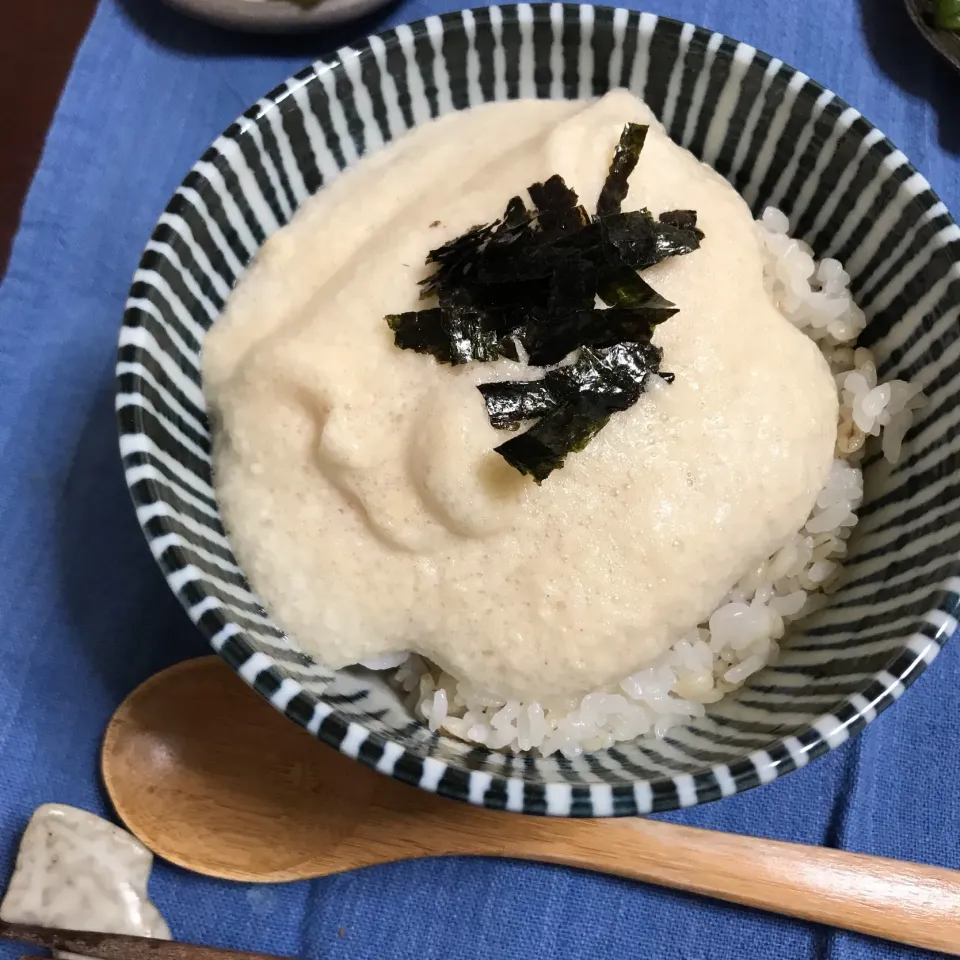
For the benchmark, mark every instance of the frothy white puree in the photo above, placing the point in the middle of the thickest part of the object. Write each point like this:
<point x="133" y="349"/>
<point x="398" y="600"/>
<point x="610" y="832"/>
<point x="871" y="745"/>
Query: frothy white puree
<point x="358" y="481"/>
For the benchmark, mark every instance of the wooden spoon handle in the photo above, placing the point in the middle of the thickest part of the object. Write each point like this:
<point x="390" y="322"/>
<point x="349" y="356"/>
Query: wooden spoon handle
<point x="904" y="902"/>
<point x="120" y="946"/>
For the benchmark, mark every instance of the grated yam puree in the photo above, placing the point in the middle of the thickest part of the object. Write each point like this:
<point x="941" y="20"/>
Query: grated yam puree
<point x="358" y="483"/>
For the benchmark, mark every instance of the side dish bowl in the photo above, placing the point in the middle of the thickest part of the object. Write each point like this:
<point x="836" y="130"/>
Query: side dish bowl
<point x="781" y="140"/>
<point x="945" y="42"/>
<point x="276" y="16"/>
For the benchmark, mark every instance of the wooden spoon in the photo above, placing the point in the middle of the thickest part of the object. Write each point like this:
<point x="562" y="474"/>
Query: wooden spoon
<point x="212" y="778"/>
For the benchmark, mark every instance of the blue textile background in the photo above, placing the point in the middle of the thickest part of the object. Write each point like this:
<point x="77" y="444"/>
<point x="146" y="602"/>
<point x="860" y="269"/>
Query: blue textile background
<point x="85" y="614"/>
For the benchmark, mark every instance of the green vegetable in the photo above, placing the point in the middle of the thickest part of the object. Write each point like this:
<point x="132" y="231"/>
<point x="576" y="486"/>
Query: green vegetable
<point x="947" y="14"/>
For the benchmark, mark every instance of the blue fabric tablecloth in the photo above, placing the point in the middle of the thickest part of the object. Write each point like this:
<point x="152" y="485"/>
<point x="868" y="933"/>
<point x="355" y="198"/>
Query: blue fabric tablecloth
<point x="85" y="614"/>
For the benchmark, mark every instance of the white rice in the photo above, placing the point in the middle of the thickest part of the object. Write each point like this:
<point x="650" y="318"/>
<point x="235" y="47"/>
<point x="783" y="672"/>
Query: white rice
<point x="742" y="634"/>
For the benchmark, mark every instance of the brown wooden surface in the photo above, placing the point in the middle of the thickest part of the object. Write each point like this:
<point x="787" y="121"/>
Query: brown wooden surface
<point x="119" y="946"/>
<point x="210" y="777"/>
<point x="38" y="39"/>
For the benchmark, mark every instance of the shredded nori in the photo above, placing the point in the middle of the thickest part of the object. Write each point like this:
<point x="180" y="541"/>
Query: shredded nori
<point x="534" y="278"/>
<point x="547" y="342"/>
<point x="612" y="374"/>
<point x="452" y="335"/>
<point x="623" y="164"/>
<point x="423" y="331"/>
<point x="574" y="403"/>
<point x="641" y="242"/>
<point x="544" y="447"/>
<point x="511" y="402"/>
<point x="687" y="219"/>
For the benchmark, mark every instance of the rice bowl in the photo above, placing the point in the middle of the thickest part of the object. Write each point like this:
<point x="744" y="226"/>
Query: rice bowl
<point x="854" y="657"/>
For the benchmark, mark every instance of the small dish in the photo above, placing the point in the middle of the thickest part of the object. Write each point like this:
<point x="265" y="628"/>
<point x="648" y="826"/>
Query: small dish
<point x="779" y="138"/>
<point x="945" y="42"/>
<point x="276" y="16"/>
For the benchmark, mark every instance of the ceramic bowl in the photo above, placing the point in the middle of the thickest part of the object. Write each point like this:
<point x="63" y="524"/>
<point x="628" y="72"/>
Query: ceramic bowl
<point x="945" y="42"/>
<point x="781" y="139"/>
<point x="276" y="16"/>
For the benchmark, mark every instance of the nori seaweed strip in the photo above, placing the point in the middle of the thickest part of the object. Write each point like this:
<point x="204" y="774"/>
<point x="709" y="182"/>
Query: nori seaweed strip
<point x="543" y="448"/>
<point x="454" y="334"/>
<point x="517" y="251"/>
<point x="518" y="255"/>
<point x="633" y="237"/>
<point x="516" y="213"/>
<point x="547" y="342"/>
<point x="470" y="339"/>
<point x="455" y="259"/>
<point x="642" y="243"/>
<point x="553" y="195"/>
<point x="511" y="402"/>
<point x="509" y="306"/>
<point x="558" y="207"/>
<point x="601" y="383"/>
<point x="614" y="375"/>
<point x="624" y="161"/>
<point x="675" y="241"/>
<point x="621" y="286"/>
<point x="531" y="246"/>
<point x="471" y="335"/>
<point x="573" y="287"/>
<point x="422" y="331"/>
<point x="685" y="219"/>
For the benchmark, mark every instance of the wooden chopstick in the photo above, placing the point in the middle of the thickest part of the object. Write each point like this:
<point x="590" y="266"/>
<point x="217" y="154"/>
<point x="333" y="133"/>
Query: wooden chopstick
<point x="119" y="946"/>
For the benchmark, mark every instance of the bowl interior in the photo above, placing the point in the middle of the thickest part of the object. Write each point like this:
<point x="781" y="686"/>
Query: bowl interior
<point x="781" y="140"/>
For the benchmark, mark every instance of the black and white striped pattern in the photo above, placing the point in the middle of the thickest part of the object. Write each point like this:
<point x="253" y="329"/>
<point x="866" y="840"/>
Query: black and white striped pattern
<point x="779" y="138"/>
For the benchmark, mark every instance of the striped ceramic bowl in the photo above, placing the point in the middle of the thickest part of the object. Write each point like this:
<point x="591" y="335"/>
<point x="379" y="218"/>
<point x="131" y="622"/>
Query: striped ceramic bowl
<point x="781" y="139"/>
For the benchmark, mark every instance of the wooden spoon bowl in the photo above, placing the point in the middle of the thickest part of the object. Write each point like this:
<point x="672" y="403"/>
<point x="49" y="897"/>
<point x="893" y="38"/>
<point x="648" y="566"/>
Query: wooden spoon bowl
<point x="177" y="765"/>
